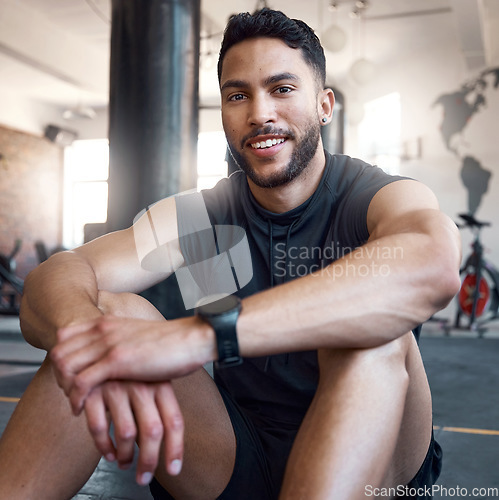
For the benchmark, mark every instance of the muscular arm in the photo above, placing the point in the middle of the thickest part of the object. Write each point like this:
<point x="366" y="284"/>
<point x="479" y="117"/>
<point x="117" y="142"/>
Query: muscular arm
<point x="64" y="290"/>
<point x="408" y="270"/>
<point x="405" y="272"/>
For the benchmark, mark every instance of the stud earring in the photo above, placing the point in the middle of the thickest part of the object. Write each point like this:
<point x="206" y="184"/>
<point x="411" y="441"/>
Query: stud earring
<point x="324" y="120"/>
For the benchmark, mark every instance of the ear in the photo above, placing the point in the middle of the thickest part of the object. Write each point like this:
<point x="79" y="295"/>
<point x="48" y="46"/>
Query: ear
<point x="325" y="106"/>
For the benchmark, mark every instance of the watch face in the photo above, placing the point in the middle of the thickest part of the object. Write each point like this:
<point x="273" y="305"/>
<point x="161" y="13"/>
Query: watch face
<point x="220" y="306"/>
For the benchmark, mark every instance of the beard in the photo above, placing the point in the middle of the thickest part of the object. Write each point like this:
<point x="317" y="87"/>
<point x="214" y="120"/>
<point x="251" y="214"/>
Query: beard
<point x="299" y="161"/>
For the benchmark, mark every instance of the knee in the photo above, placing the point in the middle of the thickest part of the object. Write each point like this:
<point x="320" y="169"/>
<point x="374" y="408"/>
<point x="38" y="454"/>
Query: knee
<point x="392" y="354"/>
<point x="389" y="358"/>
<point x="110" y="303"/>
<point x="126" y="305"/>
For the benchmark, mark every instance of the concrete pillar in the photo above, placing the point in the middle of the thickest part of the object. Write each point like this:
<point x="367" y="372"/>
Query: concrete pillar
<point x="153" y="109"/>
<point x="153" y="112"/>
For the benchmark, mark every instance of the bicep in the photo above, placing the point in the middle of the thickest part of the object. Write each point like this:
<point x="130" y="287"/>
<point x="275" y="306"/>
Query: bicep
<point x="402" y="206"/>
<point x="405" y="215"/>
<point x="138" y="257"/>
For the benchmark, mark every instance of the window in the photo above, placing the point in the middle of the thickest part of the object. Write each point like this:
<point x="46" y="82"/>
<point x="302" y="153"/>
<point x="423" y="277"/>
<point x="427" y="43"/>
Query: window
<point x="212" y="165"/>
<point x="379" y="133"/>
<point x="86" y="170"/>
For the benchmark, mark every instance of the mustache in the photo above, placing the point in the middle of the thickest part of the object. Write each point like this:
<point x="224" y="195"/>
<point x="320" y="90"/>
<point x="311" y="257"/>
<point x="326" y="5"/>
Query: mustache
<point x="268" y="130"/>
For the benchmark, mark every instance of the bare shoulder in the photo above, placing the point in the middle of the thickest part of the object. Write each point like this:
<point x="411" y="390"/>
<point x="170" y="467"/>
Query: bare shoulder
<point x="401" y="197"/>
<point x="402" y="206"/>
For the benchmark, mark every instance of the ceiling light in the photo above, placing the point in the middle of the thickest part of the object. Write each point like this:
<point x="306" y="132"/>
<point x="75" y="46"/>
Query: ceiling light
<point x="333" y="6"/>
<point x="355" y="13"/>
<point x="362" y="71"/>
<point x="334" y="38"/>
<point x="79" y="112"/>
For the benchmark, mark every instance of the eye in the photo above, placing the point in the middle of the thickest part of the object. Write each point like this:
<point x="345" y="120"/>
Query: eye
<point x="236" y="97"/>
<point x="283" y="90"/>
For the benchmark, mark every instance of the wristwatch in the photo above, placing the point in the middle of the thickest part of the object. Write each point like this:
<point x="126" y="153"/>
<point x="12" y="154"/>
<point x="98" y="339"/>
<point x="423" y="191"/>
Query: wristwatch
<point x="222" y="315"/>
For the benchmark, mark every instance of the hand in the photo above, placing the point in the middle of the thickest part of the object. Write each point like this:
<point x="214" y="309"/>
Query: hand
<point x="144" y="412"/>
<point x="111" y="348"/>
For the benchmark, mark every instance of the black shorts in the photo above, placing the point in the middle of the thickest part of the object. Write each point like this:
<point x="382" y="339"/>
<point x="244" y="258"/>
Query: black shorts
<point x="262" y="453"/>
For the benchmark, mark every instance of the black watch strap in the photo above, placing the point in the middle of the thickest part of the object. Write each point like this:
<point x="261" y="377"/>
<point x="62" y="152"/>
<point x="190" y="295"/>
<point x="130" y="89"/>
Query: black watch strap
<point x="222" y="316"/>
<point x="227" y="345"/>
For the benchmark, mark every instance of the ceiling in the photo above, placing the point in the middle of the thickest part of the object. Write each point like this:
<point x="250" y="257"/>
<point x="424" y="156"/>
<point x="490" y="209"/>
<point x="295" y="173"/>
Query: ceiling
<point x="57" y="51"/>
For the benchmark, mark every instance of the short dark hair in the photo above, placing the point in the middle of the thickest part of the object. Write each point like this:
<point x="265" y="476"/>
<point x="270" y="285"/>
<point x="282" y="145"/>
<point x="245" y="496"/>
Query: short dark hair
<point x="275" y="24"/>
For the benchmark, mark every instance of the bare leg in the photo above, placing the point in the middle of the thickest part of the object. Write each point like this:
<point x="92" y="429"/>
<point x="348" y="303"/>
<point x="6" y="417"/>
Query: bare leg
<point x="45" y="452"/>
<point x="369" y="424"/>
<point x="210" y="445"/>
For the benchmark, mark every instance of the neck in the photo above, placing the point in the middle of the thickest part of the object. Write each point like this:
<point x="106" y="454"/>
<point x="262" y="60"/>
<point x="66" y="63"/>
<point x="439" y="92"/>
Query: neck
<point x="291" y="195"/>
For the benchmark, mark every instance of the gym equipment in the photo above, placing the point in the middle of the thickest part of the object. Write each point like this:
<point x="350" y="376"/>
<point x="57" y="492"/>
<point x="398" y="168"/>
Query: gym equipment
<point x="478" y="297"/>
<point x="11" y="286"/>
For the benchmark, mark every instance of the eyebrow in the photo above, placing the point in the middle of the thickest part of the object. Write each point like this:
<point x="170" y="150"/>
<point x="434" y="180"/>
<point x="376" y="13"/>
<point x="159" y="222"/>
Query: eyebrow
<point x="268" y="81"/>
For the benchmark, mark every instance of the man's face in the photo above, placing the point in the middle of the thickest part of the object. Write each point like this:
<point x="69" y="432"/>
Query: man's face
<point x="270" y="110"/>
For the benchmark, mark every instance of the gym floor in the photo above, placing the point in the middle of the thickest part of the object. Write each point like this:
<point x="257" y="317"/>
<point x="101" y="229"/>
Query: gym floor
<point x="463" y="371"/>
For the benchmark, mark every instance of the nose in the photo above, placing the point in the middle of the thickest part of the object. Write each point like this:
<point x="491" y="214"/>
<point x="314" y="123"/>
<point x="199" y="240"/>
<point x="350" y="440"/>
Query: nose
<point x="261" y="110"/>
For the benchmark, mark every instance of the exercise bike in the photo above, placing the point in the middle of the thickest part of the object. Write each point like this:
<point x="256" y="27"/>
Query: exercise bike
<point x="478" y="297"/>
<point x="11" y="286"/>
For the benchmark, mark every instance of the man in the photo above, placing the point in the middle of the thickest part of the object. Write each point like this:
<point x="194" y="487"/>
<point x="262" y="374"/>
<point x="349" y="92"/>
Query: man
<point x="331" y="400"/>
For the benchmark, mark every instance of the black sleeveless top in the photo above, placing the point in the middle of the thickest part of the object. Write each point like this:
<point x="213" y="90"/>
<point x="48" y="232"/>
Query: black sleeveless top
<point x="277" y="390"/>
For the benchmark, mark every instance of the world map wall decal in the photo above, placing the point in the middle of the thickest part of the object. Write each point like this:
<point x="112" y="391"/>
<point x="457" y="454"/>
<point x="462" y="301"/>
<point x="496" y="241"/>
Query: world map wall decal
<point x="459" y="108"/>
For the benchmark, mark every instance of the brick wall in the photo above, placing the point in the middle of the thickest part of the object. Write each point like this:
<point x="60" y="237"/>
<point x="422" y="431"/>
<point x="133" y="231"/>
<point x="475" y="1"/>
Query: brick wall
<point x="31" y="183"/>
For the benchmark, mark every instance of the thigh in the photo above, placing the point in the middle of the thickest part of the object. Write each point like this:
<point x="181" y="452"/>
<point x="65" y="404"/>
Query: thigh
<point x="397" y="382"/>
<point x="209" y="440"/>
<point x="210" y="443"/>
<point x="251" y="470"/>
<point x="369" y="423"/>
<point x="414" y="441"/>
<point x="45" y="451"/>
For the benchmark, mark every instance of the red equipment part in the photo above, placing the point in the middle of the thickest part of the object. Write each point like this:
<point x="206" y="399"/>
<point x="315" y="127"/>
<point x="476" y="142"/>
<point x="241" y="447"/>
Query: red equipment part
<point x="467" y="291"/>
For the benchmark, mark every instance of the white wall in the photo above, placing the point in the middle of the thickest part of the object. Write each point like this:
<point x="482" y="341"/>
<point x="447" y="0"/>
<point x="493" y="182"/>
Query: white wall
<point x="420" y="80"/>
<point x="210" y="120"/>
<point x="32" y="116"/>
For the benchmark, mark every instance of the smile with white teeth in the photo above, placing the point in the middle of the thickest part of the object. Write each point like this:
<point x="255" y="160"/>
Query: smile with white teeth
<point x="266" y="144"/>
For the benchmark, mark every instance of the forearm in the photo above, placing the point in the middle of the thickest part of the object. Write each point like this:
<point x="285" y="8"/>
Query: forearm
<point x="369" y="297"/>
<point x="59" y="292"/>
